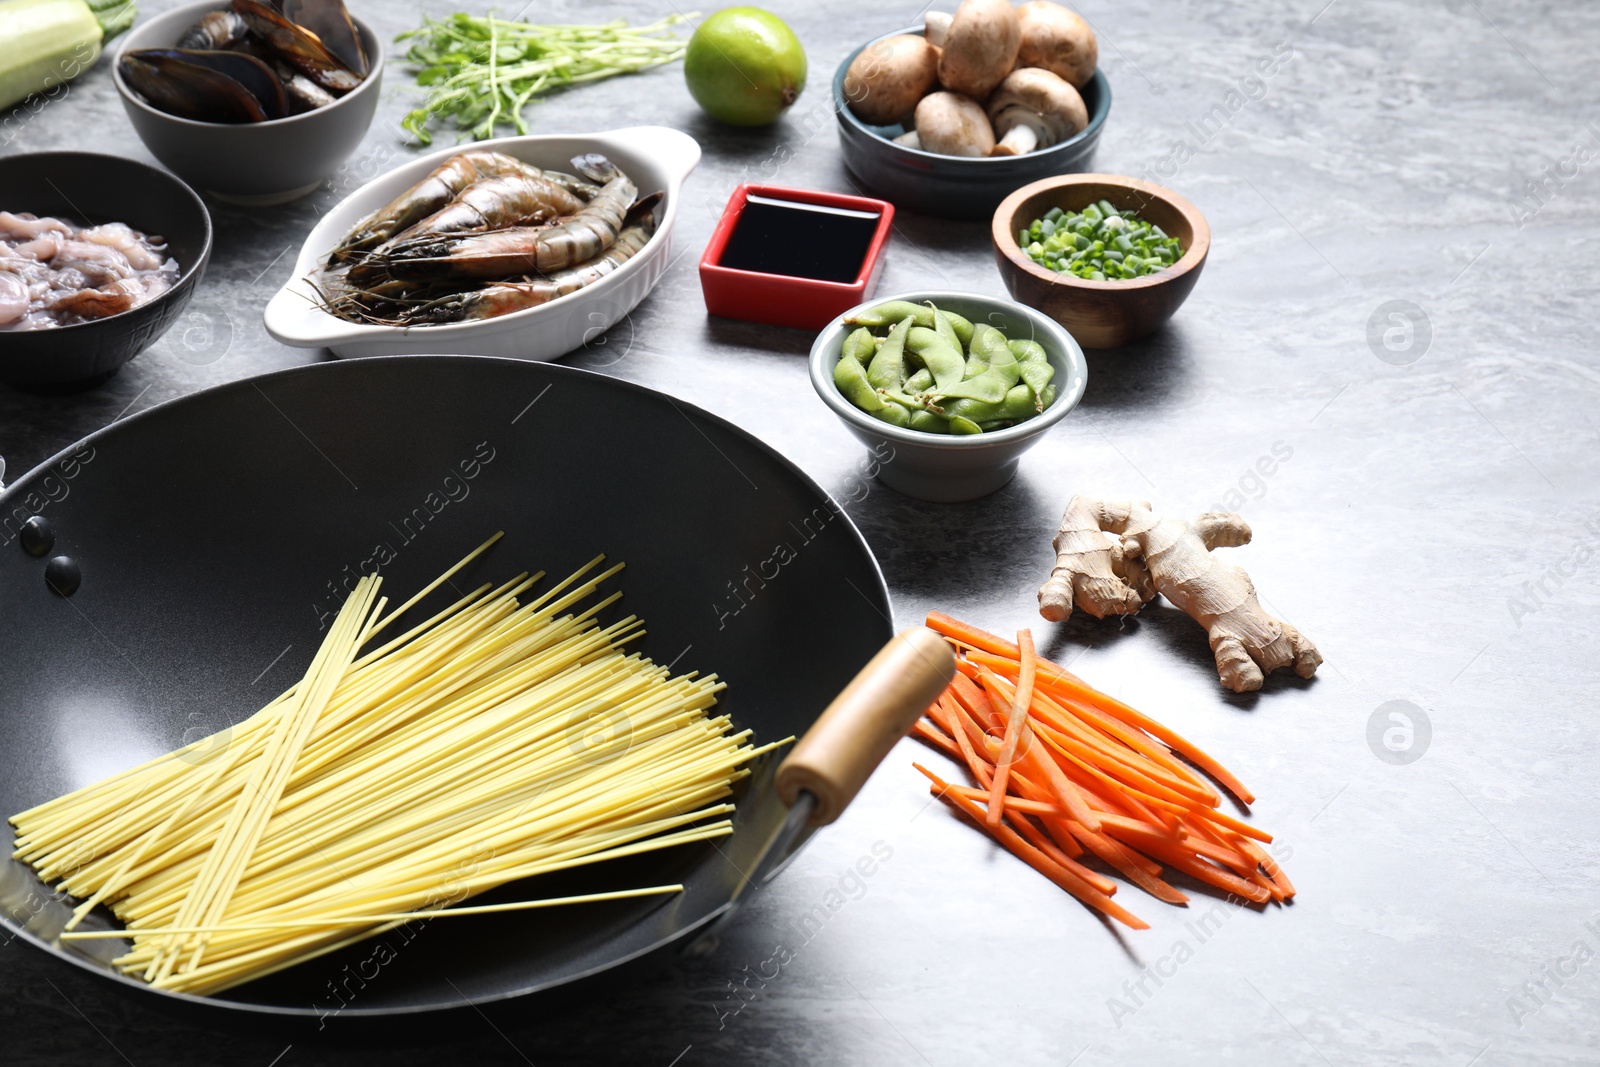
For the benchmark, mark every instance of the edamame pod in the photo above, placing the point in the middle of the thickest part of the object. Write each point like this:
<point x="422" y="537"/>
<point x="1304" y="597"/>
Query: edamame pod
<point x="1000" y="373"/>
<point x="978" y="411"/>
<point x="939" y="356"/>
<point x="976" y="365"/>
<point x="894" y="415"/>
<point x="905" y="400"/>
<point x="888" y="367"/>
<point x="894" y="311"/>
<point x="859" y="346"/>
<point x="920" y="382"/>
<point x="1036" y="376"/>
<point x="1028" y="351"/>
<point x="946" y="329"/>
<point x="964" y="426"/>
<point x="851" y="378"/>
<point x="1034" y="365"/>
<point x="1017" y="405"/>
<point x="928" y="422"/>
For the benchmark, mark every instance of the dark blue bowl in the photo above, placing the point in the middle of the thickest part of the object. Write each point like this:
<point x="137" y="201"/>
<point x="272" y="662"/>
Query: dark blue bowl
<point x="955" y="187"/>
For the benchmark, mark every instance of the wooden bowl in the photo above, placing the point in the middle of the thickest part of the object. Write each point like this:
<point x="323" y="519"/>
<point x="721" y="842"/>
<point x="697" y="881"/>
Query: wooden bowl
<point x="1111" y="313"/>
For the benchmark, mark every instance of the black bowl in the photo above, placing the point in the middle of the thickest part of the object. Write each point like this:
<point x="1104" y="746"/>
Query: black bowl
<point x="953" y="187"/>
<point x="86" y="187"/>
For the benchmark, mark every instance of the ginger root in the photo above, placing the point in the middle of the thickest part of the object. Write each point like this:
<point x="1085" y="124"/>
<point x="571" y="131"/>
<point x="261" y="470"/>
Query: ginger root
<point x="1149" y="555"/>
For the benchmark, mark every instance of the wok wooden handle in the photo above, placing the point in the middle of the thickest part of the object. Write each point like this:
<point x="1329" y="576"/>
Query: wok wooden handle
<point x="837" y="755"/>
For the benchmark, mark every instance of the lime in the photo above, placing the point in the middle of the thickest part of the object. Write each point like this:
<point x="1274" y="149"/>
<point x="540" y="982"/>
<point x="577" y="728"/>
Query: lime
<point x="745" y="66"/>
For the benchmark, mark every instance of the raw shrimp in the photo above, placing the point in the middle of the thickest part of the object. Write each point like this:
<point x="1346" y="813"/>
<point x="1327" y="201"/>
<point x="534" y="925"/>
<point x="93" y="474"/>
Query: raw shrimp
<point x="506" y="297"/>
<point x="517" y="250"/>
<point x="421" y="200"/>
<point x="578" y="187"/>
<point x="497" y="202"/>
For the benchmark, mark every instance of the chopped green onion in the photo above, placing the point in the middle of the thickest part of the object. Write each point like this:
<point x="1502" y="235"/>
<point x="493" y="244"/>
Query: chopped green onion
<point x="1099" y="243"/>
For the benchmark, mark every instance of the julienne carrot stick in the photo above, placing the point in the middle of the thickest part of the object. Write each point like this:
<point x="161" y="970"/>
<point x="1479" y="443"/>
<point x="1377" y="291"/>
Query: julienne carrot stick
<point x="1038" y="860"/>
<point x="1072" y="687"/>
<point x="1021" y="701"/>
<point x="1060" y="682"/>
<point x="1039" y="840"/>
<point x="1128" y="863"/>
<point x="1016" y="804"/>
<point x="1155" y="762"/>
<point x="969" y="696"/>
<point x="997" y="653"/>
<point x="960" y="725"/>
<point x="1272" y="868"/>
<point x="1140" y="743"/>
<point x="936" y="737"/>
<point x="962" y="633"/>
<point x="1061" y="767"/>
<point x="1050" y="771"/>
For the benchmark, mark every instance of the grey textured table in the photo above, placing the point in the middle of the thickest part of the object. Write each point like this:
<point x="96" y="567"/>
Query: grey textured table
<point x="1431" y="518"/>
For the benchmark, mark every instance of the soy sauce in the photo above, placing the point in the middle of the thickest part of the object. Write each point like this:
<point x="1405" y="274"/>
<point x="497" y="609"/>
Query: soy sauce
<point x="800" y="240"/>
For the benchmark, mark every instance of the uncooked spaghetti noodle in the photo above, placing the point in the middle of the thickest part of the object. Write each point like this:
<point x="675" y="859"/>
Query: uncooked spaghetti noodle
<point x="496" y="741"/>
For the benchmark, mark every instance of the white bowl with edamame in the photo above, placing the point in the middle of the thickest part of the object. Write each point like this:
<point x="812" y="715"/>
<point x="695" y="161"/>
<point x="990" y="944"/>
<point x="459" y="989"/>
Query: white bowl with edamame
<point x="952" y="467"/>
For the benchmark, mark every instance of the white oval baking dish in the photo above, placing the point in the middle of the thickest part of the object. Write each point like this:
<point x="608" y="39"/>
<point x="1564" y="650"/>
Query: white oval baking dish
<point x="657" y="158"/>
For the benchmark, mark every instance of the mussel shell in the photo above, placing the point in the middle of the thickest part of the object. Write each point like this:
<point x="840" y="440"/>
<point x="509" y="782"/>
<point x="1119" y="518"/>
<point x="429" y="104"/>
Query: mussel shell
<point x="247" y="71"/>
<point x="250" y="71"/>
<point x="330" y="21"/>
<point x="207" y="86"/>
<point x="217" y="29"/>
<point x="298" y="46"/>
<point x="303" y="93"/>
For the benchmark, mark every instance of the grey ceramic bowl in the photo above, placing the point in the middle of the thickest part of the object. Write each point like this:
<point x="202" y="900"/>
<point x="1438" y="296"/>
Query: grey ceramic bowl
<point x="951" y="186"/>
<point x="951" y="468"/>
<point x="254" y="163"/>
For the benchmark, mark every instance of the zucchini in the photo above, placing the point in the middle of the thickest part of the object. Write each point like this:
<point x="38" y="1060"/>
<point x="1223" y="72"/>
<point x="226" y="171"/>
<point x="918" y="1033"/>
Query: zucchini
<point x="46" y="43"/>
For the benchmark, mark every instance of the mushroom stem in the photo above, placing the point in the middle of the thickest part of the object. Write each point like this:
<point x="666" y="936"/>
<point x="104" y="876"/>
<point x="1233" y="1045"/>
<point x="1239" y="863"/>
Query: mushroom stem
<point x="1018" y="141"/>
<point x="1034" y="109"/>
<point x="909" y="139"/>
<point x="936" y="28"/>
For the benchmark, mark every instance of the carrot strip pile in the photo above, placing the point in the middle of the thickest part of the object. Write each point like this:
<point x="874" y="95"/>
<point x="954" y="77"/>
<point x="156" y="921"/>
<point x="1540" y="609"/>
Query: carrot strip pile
<point x="1062" y="770"/>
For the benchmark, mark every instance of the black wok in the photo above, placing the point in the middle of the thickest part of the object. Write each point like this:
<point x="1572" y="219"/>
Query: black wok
<point x="213" y="533"/>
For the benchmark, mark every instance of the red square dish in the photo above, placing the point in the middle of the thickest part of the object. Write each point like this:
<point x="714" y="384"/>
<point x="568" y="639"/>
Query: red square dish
<point x="793" y="266"/>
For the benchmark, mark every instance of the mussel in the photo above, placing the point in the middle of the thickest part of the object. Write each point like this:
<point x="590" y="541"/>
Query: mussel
<point x="207" y="86"/>
<point x="215" y="30"/>
<point x="330" y="21"/>
<point x="302" y="48"/>
<point x="253" y="62"/>
<point x="304" y="94"/>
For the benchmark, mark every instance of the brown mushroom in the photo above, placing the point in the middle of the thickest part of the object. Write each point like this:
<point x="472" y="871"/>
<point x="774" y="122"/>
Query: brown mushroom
<point x="980" y="48"/>
<point x="953" y="125"/>
<point x="887" y="79"/>
<point x="1057" y="40"/>
<point x="1034" y="109"/>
